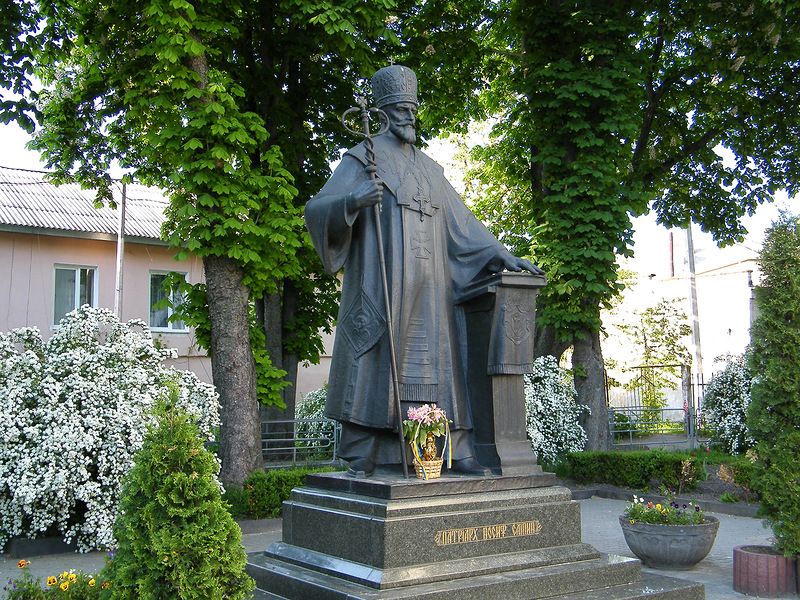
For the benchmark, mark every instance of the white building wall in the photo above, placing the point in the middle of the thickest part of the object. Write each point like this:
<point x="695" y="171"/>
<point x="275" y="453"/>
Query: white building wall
<point x="724" y="280"/>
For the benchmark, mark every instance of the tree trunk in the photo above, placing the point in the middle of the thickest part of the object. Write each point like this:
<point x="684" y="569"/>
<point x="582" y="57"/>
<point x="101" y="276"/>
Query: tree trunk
<point x="277" y="310"/>
<point x="290" y="361"/>
<point x="587" y="365"/>
<point x="233" y="369"/>
<point x="548" y="343"/>
<point x="272" y="322"/>
<point x="273" y="332"/>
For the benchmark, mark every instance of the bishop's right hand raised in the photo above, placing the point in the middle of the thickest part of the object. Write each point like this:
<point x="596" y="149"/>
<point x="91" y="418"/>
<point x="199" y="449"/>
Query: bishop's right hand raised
<point x="368" y="193"/>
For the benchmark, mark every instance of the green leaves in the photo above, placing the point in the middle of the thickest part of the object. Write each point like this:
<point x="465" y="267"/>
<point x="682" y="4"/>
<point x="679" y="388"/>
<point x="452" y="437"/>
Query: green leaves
<point x="176" y="537"/>
<point x="774" y="358"/>
<point x="603" y="113"/>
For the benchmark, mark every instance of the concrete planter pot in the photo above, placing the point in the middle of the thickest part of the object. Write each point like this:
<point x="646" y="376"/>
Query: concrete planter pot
<point x="670" y="546"/>
<point x="764" y="572"/>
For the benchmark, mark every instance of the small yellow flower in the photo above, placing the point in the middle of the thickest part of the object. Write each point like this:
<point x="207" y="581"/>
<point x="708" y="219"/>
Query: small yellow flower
<point x="92" y="582"/>
<point x="23" y="563"/>
<point x="64" y="586"/>
<point x="72" y="577"/>
<point x="658" y="507"/>
<point x="632" y="521"/>
<point x="51" y="581"/>
<point x="63" y="575"/>
<point x="105" y="585"/>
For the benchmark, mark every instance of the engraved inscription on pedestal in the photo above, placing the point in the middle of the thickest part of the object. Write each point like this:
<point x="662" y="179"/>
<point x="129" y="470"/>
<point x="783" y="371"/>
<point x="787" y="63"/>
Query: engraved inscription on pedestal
<point x="485" y="533"/>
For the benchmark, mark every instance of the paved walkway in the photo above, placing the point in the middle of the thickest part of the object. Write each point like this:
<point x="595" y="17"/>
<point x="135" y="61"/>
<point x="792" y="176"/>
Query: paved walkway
<point x="599" y="524"/>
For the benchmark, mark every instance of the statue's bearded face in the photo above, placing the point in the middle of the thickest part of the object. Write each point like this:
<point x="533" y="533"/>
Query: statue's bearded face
<point x="402" y="118"/>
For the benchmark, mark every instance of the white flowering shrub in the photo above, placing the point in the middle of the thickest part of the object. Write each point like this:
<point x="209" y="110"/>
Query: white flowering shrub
<point x="552" y="411"/>
<point x="74" y="410"/>
<point x="312" y="406"/>
<point x="725" y="405"/>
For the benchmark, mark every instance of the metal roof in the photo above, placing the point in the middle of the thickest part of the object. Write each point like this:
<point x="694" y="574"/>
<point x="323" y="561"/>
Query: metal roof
<point x="27" y="200"/>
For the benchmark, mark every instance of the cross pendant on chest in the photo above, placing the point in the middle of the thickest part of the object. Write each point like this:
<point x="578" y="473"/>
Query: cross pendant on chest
<point x="423" y="201"/>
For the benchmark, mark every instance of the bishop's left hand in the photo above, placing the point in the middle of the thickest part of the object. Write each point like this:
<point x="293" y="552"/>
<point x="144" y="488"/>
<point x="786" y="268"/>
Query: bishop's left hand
<point x="514" y="263"/>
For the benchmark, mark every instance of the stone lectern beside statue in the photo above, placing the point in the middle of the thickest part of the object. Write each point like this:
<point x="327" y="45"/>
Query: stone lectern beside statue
<point x="436" y="254"/>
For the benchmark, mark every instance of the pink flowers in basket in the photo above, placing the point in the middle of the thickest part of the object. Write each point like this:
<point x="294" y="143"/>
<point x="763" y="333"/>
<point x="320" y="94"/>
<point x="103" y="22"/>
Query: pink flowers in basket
<point x="423" y="421"/>
<point x="427" y="414"/>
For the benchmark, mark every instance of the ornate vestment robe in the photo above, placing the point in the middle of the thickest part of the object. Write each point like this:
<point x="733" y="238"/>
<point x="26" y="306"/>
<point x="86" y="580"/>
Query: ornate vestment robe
<point x="433" y="246"/>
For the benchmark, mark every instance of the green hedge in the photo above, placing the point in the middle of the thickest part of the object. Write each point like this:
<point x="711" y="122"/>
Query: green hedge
<point x="264" y="492"/>
<point x="744" y="473"/>
<point x="636" y="469"/>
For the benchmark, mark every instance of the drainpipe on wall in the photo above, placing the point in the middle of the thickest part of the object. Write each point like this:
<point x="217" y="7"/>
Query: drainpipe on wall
<point x="120" y="254"/>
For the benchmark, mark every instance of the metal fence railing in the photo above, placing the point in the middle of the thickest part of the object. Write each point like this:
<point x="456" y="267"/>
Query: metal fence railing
<point x="300" y="442"/>
<point x="643" y="417"/>
<point x="640" y="426"/>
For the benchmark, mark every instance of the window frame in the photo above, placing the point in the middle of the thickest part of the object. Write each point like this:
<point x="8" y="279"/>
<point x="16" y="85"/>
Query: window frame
<point x="76" y="299"/>
<point x="170" y="328"/>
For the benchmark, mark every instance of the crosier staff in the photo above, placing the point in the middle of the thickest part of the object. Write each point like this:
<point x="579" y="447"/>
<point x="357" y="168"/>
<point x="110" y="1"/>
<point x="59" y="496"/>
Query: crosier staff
<point x="372" y="169"/>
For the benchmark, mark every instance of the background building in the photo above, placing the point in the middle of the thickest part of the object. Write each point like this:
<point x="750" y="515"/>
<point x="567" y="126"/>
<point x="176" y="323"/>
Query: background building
<point x="59" y="251"/>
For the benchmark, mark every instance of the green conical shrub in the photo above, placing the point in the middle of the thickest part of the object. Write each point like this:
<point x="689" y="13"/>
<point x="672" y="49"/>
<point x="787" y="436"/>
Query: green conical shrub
<point x="774" y="412"/>
<point x="176" y="538"/>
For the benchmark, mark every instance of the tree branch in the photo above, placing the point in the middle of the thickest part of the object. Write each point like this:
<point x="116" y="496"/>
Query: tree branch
<point x="654" y="96"/>
<point x="686" y="151"/>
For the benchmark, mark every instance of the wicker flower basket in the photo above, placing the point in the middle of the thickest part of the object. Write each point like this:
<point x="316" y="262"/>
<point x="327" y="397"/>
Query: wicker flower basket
<point x="428" y="469"/>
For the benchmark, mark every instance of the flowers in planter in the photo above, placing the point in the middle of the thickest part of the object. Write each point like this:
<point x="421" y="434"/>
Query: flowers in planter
<point x="669" y="513"/>
<point x="424" y="420"/>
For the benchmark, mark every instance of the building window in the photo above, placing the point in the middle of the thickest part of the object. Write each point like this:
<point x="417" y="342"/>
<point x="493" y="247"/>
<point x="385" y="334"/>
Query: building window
<point x="162" y="302"/>
<point x="74" y="287"/>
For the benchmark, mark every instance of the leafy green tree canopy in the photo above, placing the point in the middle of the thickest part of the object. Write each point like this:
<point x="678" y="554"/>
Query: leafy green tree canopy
<point x="605" y="111"/>
<point x="209" y="100"/>
<point x="602" y="111"/>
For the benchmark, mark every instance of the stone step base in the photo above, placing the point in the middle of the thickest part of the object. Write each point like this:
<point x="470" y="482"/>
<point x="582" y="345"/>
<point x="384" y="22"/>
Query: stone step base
<point x="375" y="577"/>
<point x="608" y="578"/>
<point x="650" y="586"/>
<point x="24" y="547"/>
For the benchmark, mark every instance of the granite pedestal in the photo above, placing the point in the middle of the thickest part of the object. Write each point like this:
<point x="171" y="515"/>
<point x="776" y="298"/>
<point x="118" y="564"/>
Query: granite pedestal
<point x="511" y="537"/>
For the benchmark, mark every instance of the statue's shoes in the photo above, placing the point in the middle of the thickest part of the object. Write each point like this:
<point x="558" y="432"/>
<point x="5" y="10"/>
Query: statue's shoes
<point x="469" y="466"/>
<point x="361" y="467"/>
